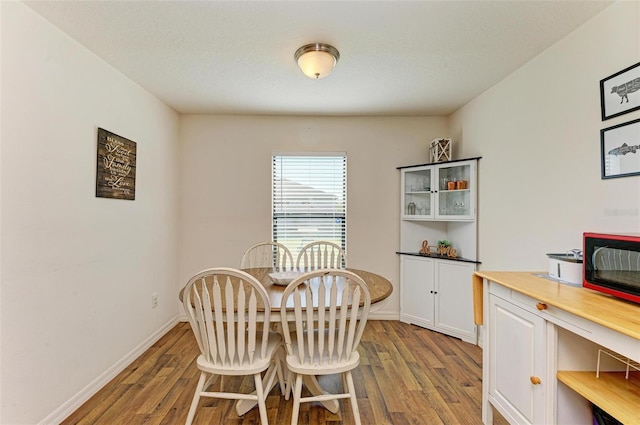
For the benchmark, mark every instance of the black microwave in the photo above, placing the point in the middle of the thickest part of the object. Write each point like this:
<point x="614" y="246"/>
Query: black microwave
<point x="612" y="264"/>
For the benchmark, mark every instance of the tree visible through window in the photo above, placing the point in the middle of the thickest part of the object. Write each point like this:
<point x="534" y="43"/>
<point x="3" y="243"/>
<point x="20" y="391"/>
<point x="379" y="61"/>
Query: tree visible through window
<point x="309" y="199"/>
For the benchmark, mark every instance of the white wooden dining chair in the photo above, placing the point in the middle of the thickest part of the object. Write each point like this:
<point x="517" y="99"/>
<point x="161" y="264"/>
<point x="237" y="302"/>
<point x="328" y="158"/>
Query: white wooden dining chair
<point x="330" y="309"/>
<point x="223" y="306"/>
<point x="267" y="254"/>
<point x="321" y="255"/>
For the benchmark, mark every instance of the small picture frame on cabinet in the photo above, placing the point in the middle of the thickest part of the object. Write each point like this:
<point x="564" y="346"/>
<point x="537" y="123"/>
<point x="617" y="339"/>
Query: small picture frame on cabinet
<point x="620" y="150"/>
<point x="620" y="92"/>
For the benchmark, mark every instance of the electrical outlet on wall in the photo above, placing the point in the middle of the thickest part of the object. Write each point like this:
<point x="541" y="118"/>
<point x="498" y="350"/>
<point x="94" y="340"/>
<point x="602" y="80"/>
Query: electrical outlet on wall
<point x="154" y="300"/>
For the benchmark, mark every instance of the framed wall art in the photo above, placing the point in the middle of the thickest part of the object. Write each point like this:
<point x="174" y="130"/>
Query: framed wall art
<point x="116" y="166"/>
<point x="620" y="148"/>
<point x="620" y="92"/>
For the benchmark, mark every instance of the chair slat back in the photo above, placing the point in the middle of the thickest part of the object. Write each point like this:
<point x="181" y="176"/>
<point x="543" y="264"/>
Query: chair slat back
<point x="267" y="254"/>
<point x="330" y="309"/>
<point x="321" y="255"/>
<point x="223" y="306"/>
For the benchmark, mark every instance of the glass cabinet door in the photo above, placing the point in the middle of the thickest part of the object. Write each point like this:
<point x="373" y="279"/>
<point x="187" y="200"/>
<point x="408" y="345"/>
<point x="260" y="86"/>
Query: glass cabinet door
<point x="418" y="193"/>
<point x="443" y="191"/>
<point x="455" y="194"/>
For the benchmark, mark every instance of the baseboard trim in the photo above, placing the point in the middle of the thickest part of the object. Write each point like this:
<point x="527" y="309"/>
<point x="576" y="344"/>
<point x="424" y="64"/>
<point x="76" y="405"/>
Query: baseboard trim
<point x="384" y="315"/>
<point x="375" y="315"/>
<point x="93" y="387"/>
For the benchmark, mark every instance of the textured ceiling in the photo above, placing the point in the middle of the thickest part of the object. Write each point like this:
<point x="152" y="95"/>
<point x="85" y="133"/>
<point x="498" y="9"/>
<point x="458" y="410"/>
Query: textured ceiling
<point x="397" y="57"/>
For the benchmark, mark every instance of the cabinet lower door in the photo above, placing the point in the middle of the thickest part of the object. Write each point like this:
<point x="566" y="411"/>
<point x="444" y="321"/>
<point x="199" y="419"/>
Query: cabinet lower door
<point x="417" y="291"/>
<point x="454" y="300"/>
<point x="517" y="362"/>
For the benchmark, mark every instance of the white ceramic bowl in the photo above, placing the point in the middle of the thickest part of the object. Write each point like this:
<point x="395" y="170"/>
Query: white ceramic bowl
<point x="283" y="278"/>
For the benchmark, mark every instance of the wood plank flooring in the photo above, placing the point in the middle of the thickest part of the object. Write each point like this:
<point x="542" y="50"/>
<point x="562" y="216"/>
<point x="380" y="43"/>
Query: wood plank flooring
<point x="407" y="375"/>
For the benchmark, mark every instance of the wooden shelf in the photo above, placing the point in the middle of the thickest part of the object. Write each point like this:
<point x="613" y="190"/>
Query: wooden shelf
<point x="616" y="395"/>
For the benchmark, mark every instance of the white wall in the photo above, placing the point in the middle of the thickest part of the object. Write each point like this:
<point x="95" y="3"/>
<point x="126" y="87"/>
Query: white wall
<point x="77" y="272"/>
<point x="538" y="132"/>
<point x="226" y="184"/>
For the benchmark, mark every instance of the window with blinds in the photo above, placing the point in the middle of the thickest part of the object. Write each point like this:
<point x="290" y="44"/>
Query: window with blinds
<point x="309" y="199"/>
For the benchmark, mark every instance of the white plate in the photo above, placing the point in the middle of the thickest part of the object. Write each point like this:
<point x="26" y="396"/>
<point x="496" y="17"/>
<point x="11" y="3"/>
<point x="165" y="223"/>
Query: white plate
<point x="283" y="278"/>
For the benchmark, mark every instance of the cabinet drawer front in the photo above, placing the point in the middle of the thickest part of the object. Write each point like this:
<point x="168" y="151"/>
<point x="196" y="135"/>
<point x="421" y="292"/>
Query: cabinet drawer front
<point x="622" y="344"/>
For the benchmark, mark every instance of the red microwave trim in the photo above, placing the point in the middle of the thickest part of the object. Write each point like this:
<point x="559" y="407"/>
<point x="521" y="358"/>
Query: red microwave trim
<point x="630" y="237"/>
<point x="618" y="294"/>
<point x="626" y="237"/>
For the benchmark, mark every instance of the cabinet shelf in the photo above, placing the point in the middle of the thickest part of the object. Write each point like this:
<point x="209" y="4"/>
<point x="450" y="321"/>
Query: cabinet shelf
<point x="441" y="191"/>
<point x="475" y="158"/>
<point x="616" y="395"/>
<point x="438" y="257"/>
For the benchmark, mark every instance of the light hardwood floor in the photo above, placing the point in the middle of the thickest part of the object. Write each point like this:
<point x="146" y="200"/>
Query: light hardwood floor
<point x="407" y="375"/>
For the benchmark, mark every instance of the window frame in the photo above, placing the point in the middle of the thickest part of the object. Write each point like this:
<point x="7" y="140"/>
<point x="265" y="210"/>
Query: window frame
<point x="275" y="216"/>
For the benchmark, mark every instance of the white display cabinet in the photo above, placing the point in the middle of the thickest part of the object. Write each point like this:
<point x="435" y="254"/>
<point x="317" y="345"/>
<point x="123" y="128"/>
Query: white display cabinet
<point x="438" y="202"/>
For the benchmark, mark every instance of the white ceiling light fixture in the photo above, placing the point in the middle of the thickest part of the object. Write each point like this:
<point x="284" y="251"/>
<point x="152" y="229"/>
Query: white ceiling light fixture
<point x="317" y="60"/>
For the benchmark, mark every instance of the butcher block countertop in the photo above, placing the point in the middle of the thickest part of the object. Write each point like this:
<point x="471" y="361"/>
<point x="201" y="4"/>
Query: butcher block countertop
<point x="613" y="313"/>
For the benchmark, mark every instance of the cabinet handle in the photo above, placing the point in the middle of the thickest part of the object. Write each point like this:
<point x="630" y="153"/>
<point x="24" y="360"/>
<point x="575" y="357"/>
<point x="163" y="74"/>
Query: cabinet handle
<point x="535" y="380"/>
<point x="541" y="306"/>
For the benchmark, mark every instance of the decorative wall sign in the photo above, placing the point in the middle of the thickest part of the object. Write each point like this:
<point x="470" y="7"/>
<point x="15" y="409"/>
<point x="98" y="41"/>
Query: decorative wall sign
<point x="620" y="92"/>
<point x="620" y="148"/>
<point x="116" y="172"/>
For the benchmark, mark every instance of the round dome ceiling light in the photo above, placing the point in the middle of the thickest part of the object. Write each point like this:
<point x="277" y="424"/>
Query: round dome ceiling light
<point x="317" y="60"/>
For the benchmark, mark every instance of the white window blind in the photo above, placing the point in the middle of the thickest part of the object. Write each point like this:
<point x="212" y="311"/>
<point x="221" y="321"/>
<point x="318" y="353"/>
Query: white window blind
<point x="309" y="199"/>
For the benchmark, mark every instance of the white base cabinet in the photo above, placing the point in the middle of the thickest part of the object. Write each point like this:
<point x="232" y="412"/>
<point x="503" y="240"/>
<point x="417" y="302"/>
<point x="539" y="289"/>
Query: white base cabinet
<point x="518" y="384"/>
<point x="541" y="343"/>
<point x="436" y="294"/>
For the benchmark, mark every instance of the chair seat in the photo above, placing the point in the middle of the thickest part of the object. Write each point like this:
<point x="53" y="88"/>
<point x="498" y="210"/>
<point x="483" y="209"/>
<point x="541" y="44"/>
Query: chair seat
<point x="258" y="365"/>
<point x="326" y="365"/>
